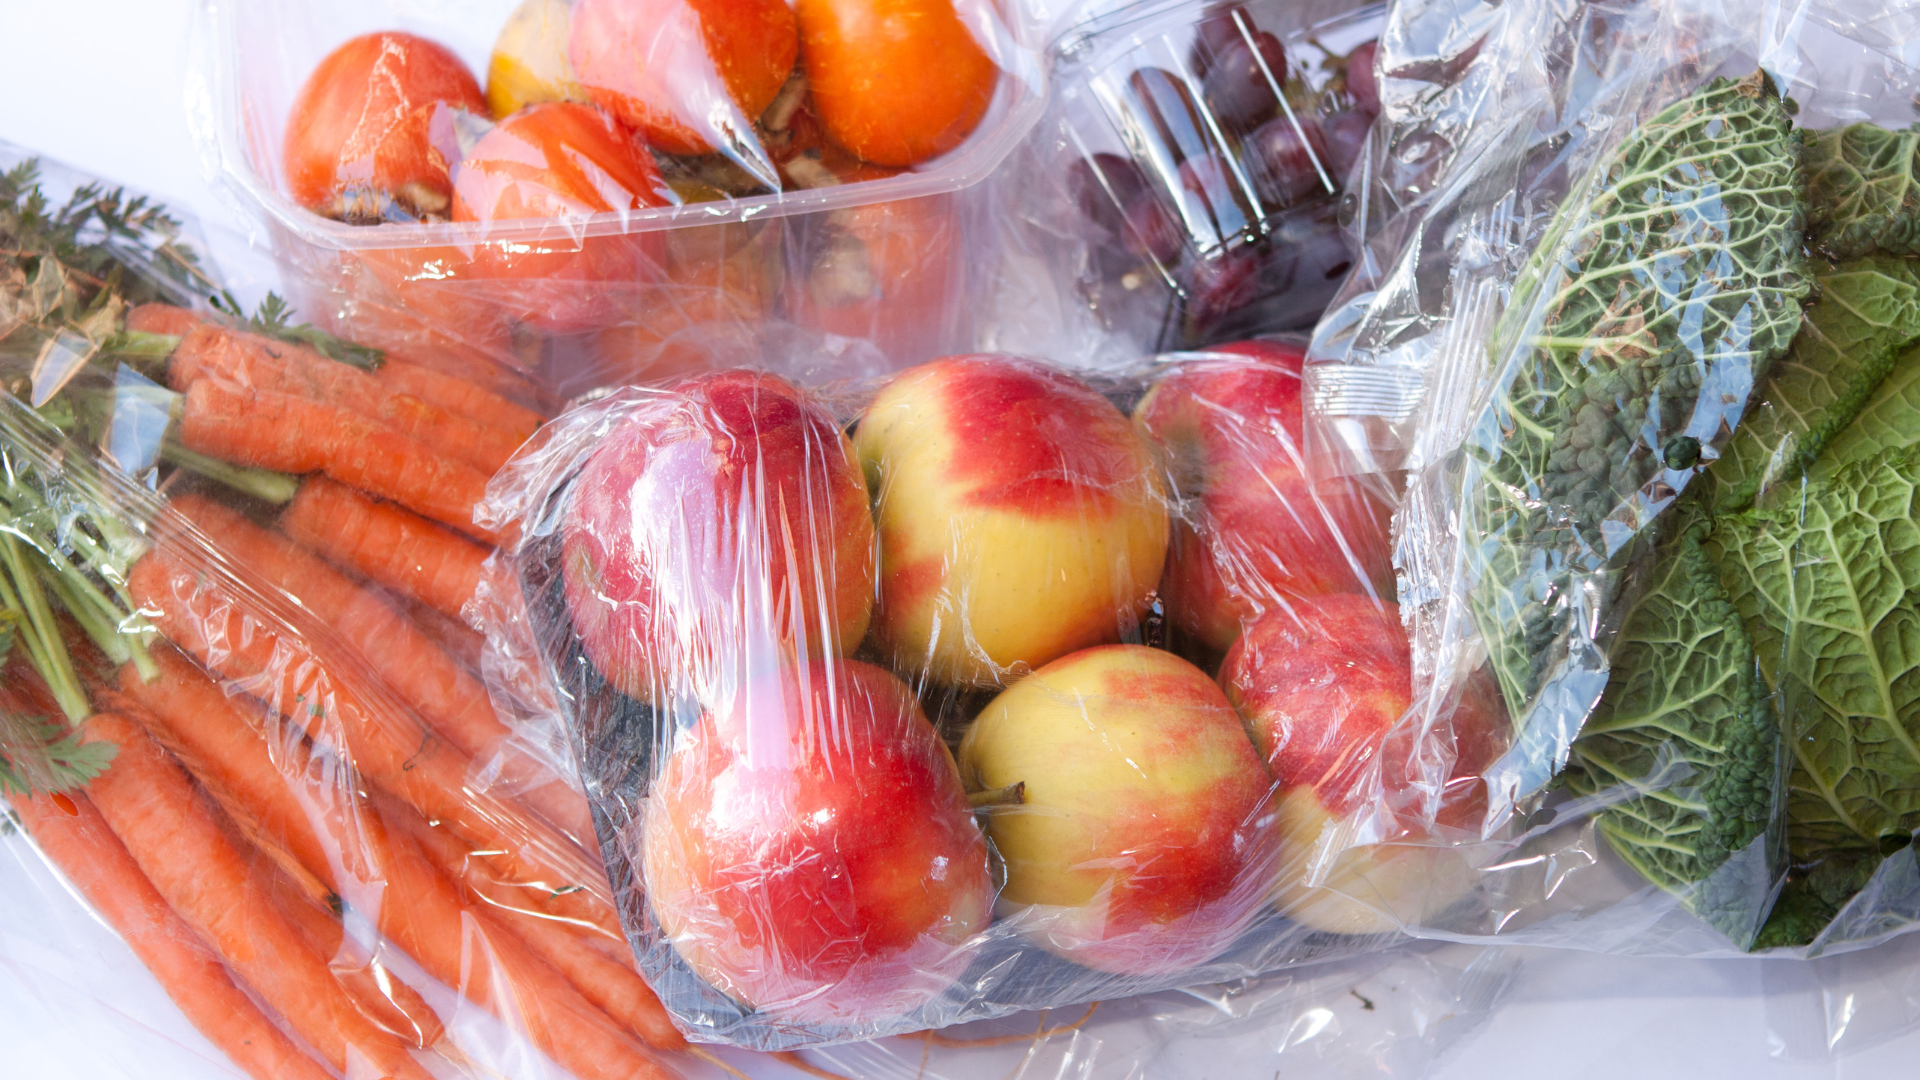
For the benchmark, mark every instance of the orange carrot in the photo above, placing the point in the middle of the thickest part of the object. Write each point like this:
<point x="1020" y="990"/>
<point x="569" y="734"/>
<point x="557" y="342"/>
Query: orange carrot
<point x="296" y="435"/>
<point x="613" y="985"/>
<point x="464" y="644"/>
<point x="161" y="319"/>
<point x="441" y="692"/>
<point x="303" y="796"/>
<point x="248" y="361"/>
<point x="387" y="746"/>
<point x="75" y="839"/>
<point x="183" y="849"/>
<point x="460" y="397"/>
<point x="393" y="547"/>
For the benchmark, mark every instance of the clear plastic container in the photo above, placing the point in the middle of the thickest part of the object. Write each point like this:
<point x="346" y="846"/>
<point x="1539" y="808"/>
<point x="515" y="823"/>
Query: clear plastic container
<point x="853" y="254"/>
<point x="1206" y="146"/>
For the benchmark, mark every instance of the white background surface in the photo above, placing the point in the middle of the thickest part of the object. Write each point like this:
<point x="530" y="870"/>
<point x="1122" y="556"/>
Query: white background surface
<point x="98" y="84"/>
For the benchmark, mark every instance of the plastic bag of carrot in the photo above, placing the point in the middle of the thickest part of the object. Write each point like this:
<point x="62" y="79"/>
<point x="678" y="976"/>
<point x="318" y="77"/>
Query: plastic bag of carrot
<point x="239" y="710"/>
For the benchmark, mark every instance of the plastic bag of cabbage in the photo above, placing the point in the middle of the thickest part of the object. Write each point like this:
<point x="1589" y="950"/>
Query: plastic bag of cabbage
<point x="1640" y="328"/>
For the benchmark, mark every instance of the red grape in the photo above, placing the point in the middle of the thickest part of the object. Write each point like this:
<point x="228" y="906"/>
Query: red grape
<point x="1151" y="230"/>
<point x="1282" y="164"/>
<point x="1215" y="32"/>
<point x="1164" y="106"/>
<point x="1345" y="134"/>
<point x="1212" y="193"/>
<point x="1223" y="282"/>
<point x="1360" y="78"/>
<point x="1241" y="83"/>
<point x="1102" y="185"/>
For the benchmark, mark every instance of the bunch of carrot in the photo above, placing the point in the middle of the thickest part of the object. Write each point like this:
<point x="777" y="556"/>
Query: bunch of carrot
<point x="312" y="740"/>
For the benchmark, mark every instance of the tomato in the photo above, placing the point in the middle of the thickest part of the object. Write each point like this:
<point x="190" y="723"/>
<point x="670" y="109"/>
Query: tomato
<point x="894" y="81"/>
<point x="561" y="160"/>
<point x="674" y="331"/>
<point x="529" y="63"/>
<point x="672" y="69"/>
<point x="371" y="131"/>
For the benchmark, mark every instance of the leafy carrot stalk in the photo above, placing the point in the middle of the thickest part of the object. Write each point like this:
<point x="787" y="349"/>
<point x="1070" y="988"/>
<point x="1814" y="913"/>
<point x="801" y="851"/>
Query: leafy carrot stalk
<point x="440" y="691"/>
<point x="249" y="361"/>
<point x="393" y="547"/>
<point x="183" y="849"/>
<point x="290" y="434"/>
<point x="612" y="985"/>
<point x="74" y="838"/>
<point x="305" y="797"/>
<point x="460" y="397"/>
<point x="387" y="746"/>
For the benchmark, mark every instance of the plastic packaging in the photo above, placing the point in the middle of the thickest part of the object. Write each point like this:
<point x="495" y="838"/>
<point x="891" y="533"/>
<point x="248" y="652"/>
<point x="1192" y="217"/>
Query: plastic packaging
<point x="970" y="654"/>
<point x="1189" y="171"/>
<point x="1633" y="324"/>
<point x="644" y="264"/>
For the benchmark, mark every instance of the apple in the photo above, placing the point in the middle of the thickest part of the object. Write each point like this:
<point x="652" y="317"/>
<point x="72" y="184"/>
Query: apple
<point x="529" y="63"/>
<point x="1020" y="518"/>
<point x="1141" y="809"/>
<point x="1322" y="686"/>
<point x="1253" y="530"/>
<point x="810" y="852"/>
<point x="719" y="530"/>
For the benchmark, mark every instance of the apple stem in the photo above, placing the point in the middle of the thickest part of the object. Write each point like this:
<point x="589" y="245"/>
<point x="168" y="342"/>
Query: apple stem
<point x="1011" y="795"/>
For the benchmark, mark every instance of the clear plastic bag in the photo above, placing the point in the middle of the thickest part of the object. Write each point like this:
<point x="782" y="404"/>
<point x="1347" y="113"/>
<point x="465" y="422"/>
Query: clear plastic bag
<point x="1008" y="693"/>
<point x="1618" y="316"/>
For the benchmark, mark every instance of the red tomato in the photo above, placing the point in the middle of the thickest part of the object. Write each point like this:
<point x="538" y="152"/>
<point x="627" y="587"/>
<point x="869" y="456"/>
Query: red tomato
<point x="374" y="124"/>
<point x="662" y="66"/>
<point x="560" y="160"/>
<point x="894" y="81"/>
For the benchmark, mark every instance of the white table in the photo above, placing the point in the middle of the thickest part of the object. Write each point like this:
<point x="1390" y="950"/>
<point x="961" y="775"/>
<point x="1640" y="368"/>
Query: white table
<point x="98" y="84"/>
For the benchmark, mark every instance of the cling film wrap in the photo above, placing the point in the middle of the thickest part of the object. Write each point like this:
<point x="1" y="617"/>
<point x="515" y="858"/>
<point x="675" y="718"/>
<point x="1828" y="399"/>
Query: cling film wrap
<point x="973" y="689"/>
<point x="1631" y="334"/>
<point x="607" y="191"/>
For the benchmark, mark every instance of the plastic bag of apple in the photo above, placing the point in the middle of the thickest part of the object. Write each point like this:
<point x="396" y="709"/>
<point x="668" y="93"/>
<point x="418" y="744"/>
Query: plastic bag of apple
<point x="612" y="190"/>
<point x="978" y="689"/>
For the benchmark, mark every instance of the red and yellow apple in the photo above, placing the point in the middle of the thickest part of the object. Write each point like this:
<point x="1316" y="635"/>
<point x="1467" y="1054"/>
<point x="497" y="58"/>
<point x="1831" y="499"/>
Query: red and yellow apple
<point x="810" y="852"/>
<point x="1142" y="805"/>
<point x="1322" y="685"/>
<point x="719" y="531"/>
<point x="1020" y="518"/>
<point x="1253" y="530"/>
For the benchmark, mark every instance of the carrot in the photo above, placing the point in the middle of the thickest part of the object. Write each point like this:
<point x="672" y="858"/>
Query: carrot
<point x="393" y="547"/>
<point x="388" y="747"/>
<point x="611" y="984"/>
<point x="76" y="839"/>
<point x="460" y="397"/>
<point x="443" y="693"/>
<point x="183" y="849"/>
<point x="464" y="644"/>
<point x="248" y="361"/>
<point x="292" y="434"/>
<point x="303" y="798"/>
<point x="161" y="319"/>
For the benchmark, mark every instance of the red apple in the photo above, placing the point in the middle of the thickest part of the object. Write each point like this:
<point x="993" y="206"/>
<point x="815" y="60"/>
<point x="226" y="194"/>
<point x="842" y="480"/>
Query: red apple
<point x="719" y="530"/>
<point x="810" y="851"/>
<point x="1322" y="685"/>
<point x="1142" y="807"/>
<point x="1253" y="531"/>
<point x="1020" y="518"/>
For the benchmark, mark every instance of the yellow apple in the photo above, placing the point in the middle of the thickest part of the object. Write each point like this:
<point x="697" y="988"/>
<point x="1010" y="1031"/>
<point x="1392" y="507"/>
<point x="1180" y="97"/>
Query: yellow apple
<point x="1020" y="517"/>
<point x="1135" y="846"/>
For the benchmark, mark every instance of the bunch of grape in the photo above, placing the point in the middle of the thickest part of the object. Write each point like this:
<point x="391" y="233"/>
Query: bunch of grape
<point x="1227" y="159"/>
